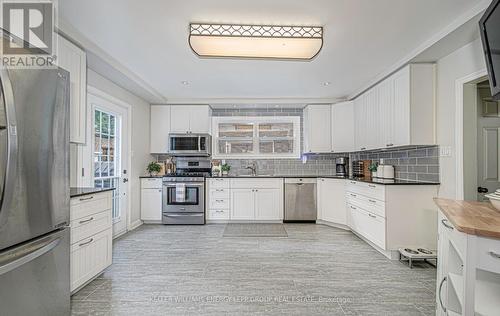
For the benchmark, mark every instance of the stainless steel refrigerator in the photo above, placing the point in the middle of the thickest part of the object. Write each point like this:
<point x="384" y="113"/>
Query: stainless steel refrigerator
<point x="34" y="192"/>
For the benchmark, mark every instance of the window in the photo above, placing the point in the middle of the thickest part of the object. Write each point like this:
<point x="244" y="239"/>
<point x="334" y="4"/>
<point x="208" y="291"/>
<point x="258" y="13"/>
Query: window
<point x="256" y="137"/>
<point x="105" y="159"/>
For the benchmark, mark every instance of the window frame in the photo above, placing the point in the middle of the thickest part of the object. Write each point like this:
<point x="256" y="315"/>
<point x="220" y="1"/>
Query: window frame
<point x="256" y="120"/>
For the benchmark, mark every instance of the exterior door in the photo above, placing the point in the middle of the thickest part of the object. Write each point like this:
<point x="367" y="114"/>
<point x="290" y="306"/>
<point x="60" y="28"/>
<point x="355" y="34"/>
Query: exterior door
<point x="110" y="155"/>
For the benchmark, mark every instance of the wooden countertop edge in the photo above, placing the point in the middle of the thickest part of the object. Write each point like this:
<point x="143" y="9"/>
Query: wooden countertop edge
<point x="460" y="221"/>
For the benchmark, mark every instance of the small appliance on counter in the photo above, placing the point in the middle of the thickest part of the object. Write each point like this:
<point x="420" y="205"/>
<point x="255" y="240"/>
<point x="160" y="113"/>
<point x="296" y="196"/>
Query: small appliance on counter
<point x="183" y="197"/>
<point x="385" y="172"/>
<point x="358" y="167"/>
<point x="342" y="166"/>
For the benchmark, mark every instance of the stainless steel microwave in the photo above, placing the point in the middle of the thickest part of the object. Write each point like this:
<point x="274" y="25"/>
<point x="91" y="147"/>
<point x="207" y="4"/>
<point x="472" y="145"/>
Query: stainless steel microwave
<point x="190" y="144"/>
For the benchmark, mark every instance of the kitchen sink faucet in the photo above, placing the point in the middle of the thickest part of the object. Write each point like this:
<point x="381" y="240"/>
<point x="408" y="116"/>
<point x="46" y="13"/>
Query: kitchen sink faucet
<point x="252" y="167"/>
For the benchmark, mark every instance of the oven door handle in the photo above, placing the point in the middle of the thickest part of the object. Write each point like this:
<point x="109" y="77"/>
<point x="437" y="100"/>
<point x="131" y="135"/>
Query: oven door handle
<point x="187" y="185"/>
<point x="199" y="143"/>
<point x="183" y="215"/>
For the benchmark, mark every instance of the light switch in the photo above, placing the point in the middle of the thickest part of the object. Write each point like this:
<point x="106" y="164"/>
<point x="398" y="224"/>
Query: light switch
<point x="445" y="151"/>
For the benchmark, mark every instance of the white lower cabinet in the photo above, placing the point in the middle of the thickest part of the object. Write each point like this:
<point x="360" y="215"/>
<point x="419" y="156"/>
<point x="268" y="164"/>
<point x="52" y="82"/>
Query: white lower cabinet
<point x="268" y="204"/>
<point x="243" y="207"/>
<point x="468" y="273"/>
<point x="331" y="201"/>
<point x="245" y="199"/>
<point x="91" y="237"/>
<point x="151" y="199"/>
<point x="89" y="257"/>
<point x="392" y="216"/>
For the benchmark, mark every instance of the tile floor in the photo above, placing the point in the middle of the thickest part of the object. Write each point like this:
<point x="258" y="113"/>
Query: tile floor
<point x="194" y="270"/>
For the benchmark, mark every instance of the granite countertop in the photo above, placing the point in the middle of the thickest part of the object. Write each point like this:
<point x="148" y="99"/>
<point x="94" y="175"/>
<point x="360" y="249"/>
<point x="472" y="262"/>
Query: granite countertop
<point x="471" y="217"/>
<point x="367" y="180"/>
<point x="74" y="192"/>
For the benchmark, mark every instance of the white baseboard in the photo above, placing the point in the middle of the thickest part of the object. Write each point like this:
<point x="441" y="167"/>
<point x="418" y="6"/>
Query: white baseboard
<point x="390" y="254"/>
<point x="225" y="221"/>
<point x="326" y="223"/>
<point x="135" y="224"/>
<point x="151" y="222"/>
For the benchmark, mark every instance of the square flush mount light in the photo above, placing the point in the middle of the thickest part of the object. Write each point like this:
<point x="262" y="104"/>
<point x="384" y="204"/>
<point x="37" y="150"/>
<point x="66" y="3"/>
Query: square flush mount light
<point x="256" y="41"/>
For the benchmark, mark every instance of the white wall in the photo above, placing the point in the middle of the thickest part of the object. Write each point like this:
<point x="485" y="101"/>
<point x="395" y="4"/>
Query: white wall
<point x="462" y="62"/>
<point x="139" y="131"/>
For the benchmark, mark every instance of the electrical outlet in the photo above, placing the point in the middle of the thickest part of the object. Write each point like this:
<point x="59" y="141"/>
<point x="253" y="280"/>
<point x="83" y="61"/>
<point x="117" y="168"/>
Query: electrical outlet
<point x="445" y="151"/>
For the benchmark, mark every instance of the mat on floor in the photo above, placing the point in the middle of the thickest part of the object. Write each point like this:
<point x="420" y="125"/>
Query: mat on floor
<point x="255" y="230"/>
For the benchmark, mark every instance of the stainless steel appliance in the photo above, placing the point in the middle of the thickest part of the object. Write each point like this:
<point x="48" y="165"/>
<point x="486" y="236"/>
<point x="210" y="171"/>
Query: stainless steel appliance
<point x="34" y="188"/>
<point x="190" y="144"/>
<point x="183" y="200"/>
<point x="342" y="166"/>
<point x="184" y="192"/>
<point x="300" y="200"/>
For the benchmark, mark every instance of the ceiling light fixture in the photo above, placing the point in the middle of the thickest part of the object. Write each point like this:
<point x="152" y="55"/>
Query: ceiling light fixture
<point x="184" y="82"/>
<point x="256" y="41"/>
<point x="327" y="83"/>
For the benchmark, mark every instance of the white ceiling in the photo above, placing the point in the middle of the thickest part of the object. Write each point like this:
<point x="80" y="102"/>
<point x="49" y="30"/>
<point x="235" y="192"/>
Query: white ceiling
<point x="363" y="38"/>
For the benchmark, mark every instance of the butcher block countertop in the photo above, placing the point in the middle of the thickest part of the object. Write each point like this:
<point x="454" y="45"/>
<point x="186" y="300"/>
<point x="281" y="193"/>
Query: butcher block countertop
<point x="471" y="217"/>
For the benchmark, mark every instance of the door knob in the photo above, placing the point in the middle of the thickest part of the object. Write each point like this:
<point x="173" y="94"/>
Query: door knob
<point x="482" y="190"/>
<point x="125" y="180"/>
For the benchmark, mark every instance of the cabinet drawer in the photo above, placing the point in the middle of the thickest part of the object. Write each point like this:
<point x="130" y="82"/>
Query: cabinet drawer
<point x="87" y="226"/>
<point x="89" y="204"/>
<point x="220" y="203"/>
<point x="368" y="225"/>
<point x="90" y="257"/>
<point x="265" y="183"/>
<point x="151" y="183"/>
<point x="220" y="193"/>
<point x="371" y="205"/>
<point x="219" y="183"/>
<point x="374" y="191"/>
<point x="488" y="254"/>
<point x="218" y="214"/>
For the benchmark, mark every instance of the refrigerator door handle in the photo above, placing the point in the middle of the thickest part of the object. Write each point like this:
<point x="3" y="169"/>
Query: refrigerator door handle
<point x="7" y="101"/>
<point x="18" y="257"/>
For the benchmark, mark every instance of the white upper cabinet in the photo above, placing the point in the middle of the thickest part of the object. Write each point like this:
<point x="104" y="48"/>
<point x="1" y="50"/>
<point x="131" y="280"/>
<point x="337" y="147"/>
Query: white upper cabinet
<point x="317" y="128"/>
<point x="74" y="60"/>
<point x="343" y="127"/>
<point x="160" y="128"/>
<point x="190" y="119"/>
<point x="399" y="111"/>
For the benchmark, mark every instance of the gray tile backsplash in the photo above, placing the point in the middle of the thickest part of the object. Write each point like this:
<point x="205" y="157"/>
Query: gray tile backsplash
<point x="419" y="163"/>
<point x="411" y="163"/>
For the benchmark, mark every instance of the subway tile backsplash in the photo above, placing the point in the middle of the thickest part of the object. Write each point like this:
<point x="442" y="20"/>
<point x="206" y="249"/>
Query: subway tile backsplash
<point x="420" y="163"/>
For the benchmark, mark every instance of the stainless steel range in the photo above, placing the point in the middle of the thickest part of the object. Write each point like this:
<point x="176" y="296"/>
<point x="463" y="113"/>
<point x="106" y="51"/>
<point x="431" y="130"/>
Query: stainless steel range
<point x="184" y="193"/>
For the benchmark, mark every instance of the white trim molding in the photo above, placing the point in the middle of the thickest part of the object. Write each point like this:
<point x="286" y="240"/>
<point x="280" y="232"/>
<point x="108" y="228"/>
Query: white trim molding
<point x="459" y="128"/>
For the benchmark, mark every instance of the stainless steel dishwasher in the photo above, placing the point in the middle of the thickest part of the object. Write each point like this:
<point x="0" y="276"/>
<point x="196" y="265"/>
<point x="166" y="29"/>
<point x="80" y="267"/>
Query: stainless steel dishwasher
<point x="300" y="200"/>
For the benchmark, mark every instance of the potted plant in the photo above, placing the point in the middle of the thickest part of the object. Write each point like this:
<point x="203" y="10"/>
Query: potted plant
<point x="153" y="168"/>
<point x="373" y="169"/>
<point x="225" y="169"/>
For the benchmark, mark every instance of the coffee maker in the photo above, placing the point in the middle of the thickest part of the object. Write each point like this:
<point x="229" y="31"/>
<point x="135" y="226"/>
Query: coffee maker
<point x="342" y="166"/>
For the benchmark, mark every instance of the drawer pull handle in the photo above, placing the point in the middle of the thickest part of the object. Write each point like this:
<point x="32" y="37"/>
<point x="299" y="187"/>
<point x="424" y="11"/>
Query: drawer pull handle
<point x="86" y="199"/>
<point x="372" y="186"/>
<point x="353" y="195"/>
<point x="373" y="201"/>
<point x="86" y="221"/>
<point x="372" y="216"/>
<point x="494" y="254"/>
<point x="439" y="294"/>
<point x="445" y="224"/>
<point x="390" y="145"/>
<point x="354" y="208"/>
<point x="86" y="243"/>
<point x="353" y="182"/>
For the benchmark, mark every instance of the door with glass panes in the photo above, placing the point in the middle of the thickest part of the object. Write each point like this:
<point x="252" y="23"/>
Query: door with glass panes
<point x="110" y="158"/>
